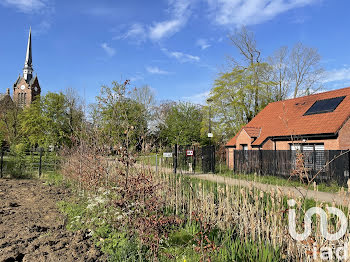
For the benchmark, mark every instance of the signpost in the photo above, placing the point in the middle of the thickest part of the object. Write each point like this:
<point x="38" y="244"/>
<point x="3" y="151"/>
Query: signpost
<point x="167" y="154"/>
<point x="189" y="152"/>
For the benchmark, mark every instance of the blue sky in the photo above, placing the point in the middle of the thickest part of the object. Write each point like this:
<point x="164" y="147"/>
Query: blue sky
<point x="176" y="47"/>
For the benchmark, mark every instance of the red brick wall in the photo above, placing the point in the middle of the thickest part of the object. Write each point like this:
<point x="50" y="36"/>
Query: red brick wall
<point x="243" y="139"/>
<point x="29" y="91"/>
<point x="229" y="157"/>
<point x="329" y="144"/>
<point x="269" y="145"/>
<point x="344" y="136"/>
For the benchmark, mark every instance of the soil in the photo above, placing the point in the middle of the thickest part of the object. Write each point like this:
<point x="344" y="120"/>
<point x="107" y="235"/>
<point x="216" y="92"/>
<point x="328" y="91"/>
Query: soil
<point x="33" y="229"/>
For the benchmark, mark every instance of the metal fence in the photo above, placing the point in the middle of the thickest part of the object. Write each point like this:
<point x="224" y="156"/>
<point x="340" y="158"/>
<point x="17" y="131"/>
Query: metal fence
<point x="188" y="159"/>
<point x="330" y="165"/>
<point x="27" y="164"/>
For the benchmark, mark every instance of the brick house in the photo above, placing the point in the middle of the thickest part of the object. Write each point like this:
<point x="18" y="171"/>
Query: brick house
<point x="314" y="122"/>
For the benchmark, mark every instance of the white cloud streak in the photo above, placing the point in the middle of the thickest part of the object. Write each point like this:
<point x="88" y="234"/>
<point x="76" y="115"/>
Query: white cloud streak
<point x="109" y="50"/>
<point x="250" y="12"/>
<point x="155" y="70"/>
<point x="182" y="57"/>
<point x="179" y="12"/>
<point x="203" y="43"/>
<point x="136" y="32"/>
<point x="342" y="74"/>
<point x="197" y="98"/>
<point x="25" y="6"/>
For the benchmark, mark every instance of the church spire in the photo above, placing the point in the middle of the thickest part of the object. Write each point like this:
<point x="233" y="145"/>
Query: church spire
<point x="28" y="67"/>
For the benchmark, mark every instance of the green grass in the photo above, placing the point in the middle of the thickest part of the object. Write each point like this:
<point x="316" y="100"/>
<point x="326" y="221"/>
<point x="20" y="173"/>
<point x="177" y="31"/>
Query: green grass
<point x="279" y="181"/>
<point x="120" y="246"/>
<point x="21" y="165"/>
<point x="222" y="169"/>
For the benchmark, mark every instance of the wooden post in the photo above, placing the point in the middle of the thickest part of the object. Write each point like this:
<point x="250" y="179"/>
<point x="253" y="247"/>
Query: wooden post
<point x="175" y="158"/>
<point x="2" y="163"/>
<point x="156" y="163"/>
<point x="40" y="161"/>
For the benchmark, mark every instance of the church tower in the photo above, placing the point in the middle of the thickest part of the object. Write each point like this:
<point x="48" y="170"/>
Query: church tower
<point x="27" y="87"/>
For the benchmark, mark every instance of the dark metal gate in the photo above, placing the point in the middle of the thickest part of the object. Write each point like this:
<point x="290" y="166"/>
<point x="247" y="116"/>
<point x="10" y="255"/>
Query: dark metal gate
<point x="194" y="159"/>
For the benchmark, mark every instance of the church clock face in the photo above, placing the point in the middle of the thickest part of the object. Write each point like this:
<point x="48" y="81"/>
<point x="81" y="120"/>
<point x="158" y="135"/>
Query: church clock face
<point x="22" y="87"/>
<point x="35" y="89"/>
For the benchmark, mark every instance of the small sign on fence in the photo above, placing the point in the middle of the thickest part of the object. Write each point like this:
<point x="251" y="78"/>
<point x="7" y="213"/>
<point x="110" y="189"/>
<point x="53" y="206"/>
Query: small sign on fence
<point x="189" y="152"/>
<point x="167" y="154"/>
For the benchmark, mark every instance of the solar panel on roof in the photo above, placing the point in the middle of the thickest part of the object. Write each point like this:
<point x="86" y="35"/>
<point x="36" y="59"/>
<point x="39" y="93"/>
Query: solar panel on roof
<point x="324" y="106"/>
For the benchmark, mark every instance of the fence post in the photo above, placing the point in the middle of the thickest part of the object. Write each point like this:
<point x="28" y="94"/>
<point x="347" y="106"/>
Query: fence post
<point x="156" y="163"/>
<point x="213" y="159"/>
<point x="175" y="158"/>
<point x="260" y="162"/>
<point x="2" y="162"/>
<point x="40" y="161"/>
<point x="234" y="161"/>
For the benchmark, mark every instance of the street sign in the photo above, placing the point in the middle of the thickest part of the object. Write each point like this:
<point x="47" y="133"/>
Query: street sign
<point x="167" y="154"/>
<point x="189" y="152"/>
<point x="210" y="134"/>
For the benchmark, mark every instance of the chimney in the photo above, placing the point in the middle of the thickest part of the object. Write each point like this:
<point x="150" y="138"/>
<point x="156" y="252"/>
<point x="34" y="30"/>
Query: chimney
<point x="8" y="91"/>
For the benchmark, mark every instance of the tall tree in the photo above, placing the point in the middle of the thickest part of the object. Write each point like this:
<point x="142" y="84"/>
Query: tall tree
<point x="121" y="119"/>
<point x="50" y="120"/>
<point x="182" y="124"/>
<point x="305" y="69"/>
<point x="245" y="43"/>
<point x="280" y="73"/>
<point x="234" y="98"/>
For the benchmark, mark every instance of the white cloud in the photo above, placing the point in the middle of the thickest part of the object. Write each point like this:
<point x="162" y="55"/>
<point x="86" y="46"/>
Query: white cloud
<point x="109" y="50"/>
<point x="182" y="57"/>
<point x="155" y="70"/>
<point x="166" y="28"/>
<point x="41" y="28"/>
<point x="136" y="32"/>
<point x="179" y="13"/>
<point x="250" y="12"/>
<point x="25" y="6"/>
<point x="197" y="98"/>
<point x="342" y="74"/>
<point x="202" y="43"/>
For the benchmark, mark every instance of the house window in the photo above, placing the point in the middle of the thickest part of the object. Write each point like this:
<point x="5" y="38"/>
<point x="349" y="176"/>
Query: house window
<point x="314" y="158"/>
<point x="245" y="151"/>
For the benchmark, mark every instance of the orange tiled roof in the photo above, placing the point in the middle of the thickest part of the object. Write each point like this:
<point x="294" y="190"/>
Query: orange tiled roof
<point x="252" y="131"/>
<point x="286" y="118"/>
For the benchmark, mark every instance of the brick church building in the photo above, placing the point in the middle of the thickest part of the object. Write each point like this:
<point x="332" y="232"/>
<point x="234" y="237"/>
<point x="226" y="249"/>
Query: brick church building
<point x="27" y="87"/>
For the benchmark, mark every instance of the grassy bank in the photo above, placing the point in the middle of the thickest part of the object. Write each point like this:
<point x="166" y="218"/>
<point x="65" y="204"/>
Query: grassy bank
<point x="194" y="239"/>
<point x="279" y="181"/>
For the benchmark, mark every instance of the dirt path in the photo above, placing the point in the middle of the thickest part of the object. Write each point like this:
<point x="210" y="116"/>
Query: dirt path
<point x="340" y="199"/>
<point x="32" y="228"/>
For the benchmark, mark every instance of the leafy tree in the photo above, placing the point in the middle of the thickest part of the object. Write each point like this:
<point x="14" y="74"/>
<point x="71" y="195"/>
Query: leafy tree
<point x="235" y="100"/>
<point x="121" y="119"/>
<point x="34" y="124"/>
<point x="9" y="123"/>
<point x="51" y="120"/>
<point x="182" y="124"/>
